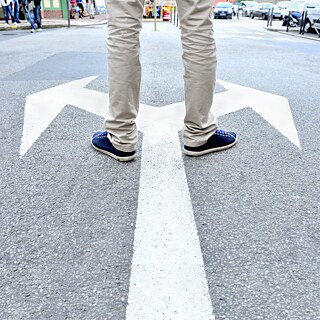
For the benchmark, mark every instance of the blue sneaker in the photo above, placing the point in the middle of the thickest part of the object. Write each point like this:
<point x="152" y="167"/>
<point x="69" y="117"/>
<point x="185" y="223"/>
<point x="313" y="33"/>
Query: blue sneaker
<point x="220" y="140"/>
<point x="101" y="142"/>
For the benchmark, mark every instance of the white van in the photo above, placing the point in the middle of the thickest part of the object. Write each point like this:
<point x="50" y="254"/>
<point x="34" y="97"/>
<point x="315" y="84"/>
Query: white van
<point x="313" y="15"/>
<point x="283" y="7"/>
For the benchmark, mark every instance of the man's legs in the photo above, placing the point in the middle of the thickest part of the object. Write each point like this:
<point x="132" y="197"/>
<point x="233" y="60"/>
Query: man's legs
<point x="124" y="70"/>
<point x="124" y="25"/>
<point x="28" y="16"/>
<point x="16" y="11"/>
<point x="37" y="15"/>
<point x="32" y="19"/>
<point x="7" y="10"/>
<point x="5" y="14"/>
<point x="200" y="62"/>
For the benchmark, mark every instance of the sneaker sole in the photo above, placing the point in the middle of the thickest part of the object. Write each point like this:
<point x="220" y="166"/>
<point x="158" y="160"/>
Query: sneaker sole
<point x="201" y="153"/>
<point x="122" y="159"/>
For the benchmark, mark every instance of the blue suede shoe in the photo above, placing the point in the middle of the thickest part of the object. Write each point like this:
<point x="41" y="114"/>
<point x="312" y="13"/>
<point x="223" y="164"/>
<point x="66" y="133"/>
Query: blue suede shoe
<point x="101" y="142"/>
<point x="220" y="140"/>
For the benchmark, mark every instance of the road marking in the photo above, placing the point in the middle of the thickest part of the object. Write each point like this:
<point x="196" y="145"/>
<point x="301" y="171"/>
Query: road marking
<point x="254" y="37"/>
<point x="167" y="275"/>
<point x="273" y="108"/>
<point x="282" y="39"/>
<point x="168" y="279"/>
<point x="43" y="107"/>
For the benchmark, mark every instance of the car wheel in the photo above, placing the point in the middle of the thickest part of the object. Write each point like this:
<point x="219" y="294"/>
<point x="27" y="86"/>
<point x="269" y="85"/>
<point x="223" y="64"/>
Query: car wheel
<point x="263" y="17"/>
<point x="251" y="16"/>
<point x="292" y="24"/>
<point x="307" y="26"/>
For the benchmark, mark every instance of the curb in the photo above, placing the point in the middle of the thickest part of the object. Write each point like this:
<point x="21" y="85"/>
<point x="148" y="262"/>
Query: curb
<point x="52" y="26"/>
<point x="291" y="34"/>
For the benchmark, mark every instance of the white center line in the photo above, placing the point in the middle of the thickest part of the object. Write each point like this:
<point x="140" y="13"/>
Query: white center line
<point x="167" y="277"/>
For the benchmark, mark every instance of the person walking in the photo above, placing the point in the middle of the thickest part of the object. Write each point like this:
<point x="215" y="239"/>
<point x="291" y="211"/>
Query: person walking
<point x="7" y="11"/>
<point x="34" y="8"/>
<point x="27" y="14"/>
<point x="200" y="132"/>
<point x="90" y="8"/>
<point x="80" y="5"/>
<point x="16" y="11"/>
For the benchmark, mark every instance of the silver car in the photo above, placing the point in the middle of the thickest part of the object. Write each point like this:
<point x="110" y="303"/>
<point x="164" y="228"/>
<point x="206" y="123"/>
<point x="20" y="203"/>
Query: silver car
<point x="263" y="9"/>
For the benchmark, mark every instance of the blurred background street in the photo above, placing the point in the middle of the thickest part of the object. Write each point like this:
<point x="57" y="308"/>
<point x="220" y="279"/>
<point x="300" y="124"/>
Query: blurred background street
<point x="68" y="214"/>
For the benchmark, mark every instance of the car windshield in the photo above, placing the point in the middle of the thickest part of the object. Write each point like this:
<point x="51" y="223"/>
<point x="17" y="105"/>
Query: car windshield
<point x="296" y="5"/>
<point x="250" y="4"/>
<point x="267" y="5"/>
<point x="223" y="5"/>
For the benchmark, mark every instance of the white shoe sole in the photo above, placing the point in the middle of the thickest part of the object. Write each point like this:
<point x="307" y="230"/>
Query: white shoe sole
<point x="122" y="159"/>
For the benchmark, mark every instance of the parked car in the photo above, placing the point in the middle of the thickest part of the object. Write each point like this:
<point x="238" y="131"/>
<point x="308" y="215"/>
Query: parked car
<point x="223" y="10"/>
<point x="237" y="7"/>
<point x="312" y="7"/>
<point x="263" y="9"/>
<point x="247" y="6"/>
<point x="312" y="19"/>
<point x="283" y="7"/>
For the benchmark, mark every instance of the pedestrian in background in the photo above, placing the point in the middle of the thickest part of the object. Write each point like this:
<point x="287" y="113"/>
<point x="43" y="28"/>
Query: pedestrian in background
<point x="25" y="9"/>
<point x="90" y="9"/>
<point x="34" y="7"/>
<point x="16" y="11"/>
<point x="80" y="5"/>
<point x="200" y="132"/>
<point x="7" y="11"/>
<point x="27" y="14"/>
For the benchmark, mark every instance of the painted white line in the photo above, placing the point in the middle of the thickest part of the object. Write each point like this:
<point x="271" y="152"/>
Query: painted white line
<point x="167" y="277"/>
<point x="282" y="39"/>
<point x="254" y="37"/>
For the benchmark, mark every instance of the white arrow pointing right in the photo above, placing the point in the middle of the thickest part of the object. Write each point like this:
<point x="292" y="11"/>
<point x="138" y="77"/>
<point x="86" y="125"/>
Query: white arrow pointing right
<point x="273" y="108"/>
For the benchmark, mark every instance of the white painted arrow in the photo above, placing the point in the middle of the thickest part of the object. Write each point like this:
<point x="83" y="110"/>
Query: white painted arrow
<point x="273" y="108"/>
<point x="42" y="108"/>
<point x="167" y="275"/>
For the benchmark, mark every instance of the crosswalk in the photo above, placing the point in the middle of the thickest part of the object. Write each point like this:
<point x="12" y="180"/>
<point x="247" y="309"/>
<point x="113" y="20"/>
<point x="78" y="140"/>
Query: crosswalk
<point x="249" y="35"/>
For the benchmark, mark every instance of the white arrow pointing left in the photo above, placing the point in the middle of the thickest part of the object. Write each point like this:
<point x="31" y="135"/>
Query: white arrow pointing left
<point x="43" y="107"/>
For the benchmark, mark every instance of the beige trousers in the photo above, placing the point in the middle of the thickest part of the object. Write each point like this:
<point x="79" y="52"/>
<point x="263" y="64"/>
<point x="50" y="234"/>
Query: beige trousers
<point x="124" y="70"/>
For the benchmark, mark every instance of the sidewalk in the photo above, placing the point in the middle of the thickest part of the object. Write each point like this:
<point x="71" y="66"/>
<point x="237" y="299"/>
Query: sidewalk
<point x="292" y="31"/>
<point x="58" y="23"/>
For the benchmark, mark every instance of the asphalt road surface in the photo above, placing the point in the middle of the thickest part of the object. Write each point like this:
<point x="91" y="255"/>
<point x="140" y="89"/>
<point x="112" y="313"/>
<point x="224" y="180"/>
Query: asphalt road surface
<point x="69" y="214"/>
